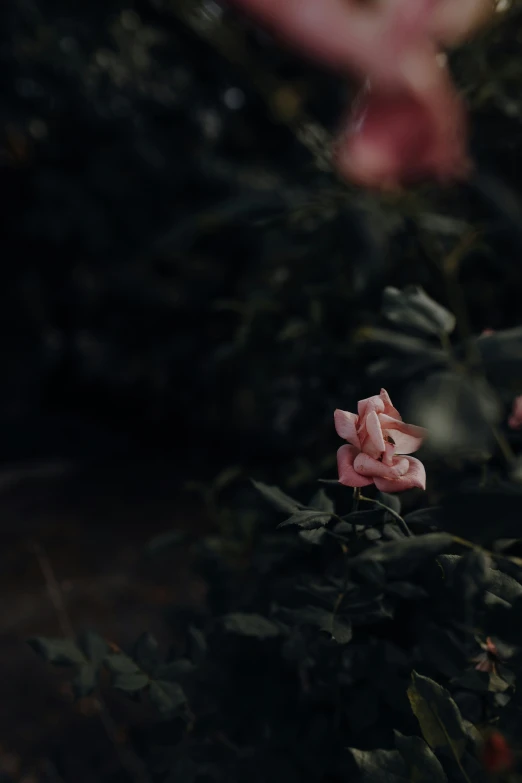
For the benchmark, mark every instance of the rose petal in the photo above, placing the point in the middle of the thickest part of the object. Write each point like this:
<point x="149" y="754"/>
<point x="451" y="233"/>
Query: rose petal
<point x="373" y="403"/>
<point x="347" y="475"/>
<point x="405" y="136"/>
<point x="346" y="426"/>
<point x="484" y="664"/>
<point x="367" y="444"/>
<point x="452" y="22"/>
<point x="407" y="437"/>
<point x="389" y="409"/>
<point x="374" y="430"/>
<point x="368" y="466"/>
<point x="490" y="646"/>
<point x="415" y="477"/>
<point x="389" y="454"/>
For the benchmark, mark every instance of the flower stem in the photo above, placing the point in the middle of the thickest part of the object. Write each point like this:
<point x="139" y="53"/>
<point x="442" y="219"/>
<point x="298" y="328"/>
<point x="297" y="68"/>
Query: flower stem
<point x="356" y="497"/>
<point x="404" y="527"/>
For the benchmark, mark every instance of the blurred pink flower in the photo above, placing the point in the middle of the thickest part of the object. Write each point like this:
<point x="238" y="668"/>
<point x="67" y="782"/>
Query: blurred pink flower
<point x="409" y="122"/>
<point x="515" y="420"/>
<point x="486" y="660"/>
<point x="378" y="438"/>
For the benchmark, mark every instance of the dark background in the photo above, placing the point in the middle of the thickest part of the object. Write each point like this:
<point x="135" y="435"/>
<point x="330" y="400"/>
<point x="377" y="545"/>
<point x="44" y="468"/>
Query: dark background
<point x="182" y="280"/>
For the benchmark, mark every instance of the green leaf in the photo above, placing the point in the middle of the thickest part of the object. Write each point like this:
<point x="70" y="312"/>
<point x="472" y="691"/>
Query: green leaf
<point x="391" y="501"/>
<point x="327" y="621"/>
<point x="501" y="356"/>
<point x="471" y="577"/>
<point x="131" y="682"/>
<point x="372" y="571"/>
<point x="314" y="537"/>
<point x="412" y="307"/>
<point x="85" y="681"/>
<point x="166" y="696"/>
<point x="254" y="625"/>
<point x="380" y="766"/>
<point x="165" y="541"/>
<point x="226" y="477"/>
<point x="497" y="684"/>
<point x="321" y="502"/>
<point x="307" y="519"/>
<point x="404" y="556"/>
<point x="503" y="585"/>
<point x="175" y="669"/>
<point x="428" y="517"/>
<point x="441" y="649"/>
<point x="423" y="765"/>
<point x="398" y="344"/>
<point x="145" y="652"/>
<point x="407" y="590"/>
<point x="438" y="715"/>
<point x="61" y="652"/>
<point x="94" y="647"/>
<point x="119" y="663"/>
<point x="277" y="497"/>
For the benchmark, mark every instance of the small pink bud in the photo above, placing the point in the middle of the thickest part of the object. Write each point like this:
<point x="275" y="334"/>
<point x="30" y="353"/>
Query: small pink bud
<point x="515" y="420"/>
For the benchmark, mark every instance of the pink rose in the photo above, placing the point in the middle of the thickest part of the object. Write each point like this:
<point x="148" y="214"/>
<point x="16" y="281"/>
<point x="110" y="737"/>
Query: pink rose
<point x="378" y="439"/>
<point x="411" y="124"/>
<point x="515" y="420"/>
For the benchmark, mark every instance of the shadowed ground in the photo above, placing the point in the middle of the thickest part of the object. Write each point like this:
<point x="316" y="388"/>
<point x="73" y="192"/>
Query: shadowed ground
<point x="86" y="531"/>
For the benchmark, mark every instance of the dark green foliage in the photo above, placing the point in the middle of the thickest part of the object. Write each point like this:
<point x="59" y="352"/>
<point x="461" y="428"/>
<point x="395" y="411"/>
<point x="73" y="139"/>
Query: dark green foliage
<point x="413" y="308"/>
<point x="253" y="625"/>
<point x="357" y="641"/>
<point x="412" y="761"/>
<point x="278" y="499"/>
<point x="421" y="761"/>
<point x="144" y="673"/>
<point x="187" y="275"/>
<point x="353" y="658"/>
<point x="439" y="718"/>
<point x="61" y="652"/>
<point x="166" y="541"/>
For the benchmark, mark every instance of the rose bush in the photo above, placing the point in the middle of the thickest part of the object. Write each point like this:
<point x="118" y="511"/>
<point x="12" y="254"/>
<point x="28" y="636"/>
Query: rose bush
<point x="379" y="441"/>
<point x="322" y="651"/>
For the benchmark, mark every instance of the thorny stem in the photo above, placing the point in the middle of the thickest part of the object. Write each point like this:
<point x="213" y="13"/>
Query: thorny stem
<point x="356" y="498"/>
<point x="404" y="527"/>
